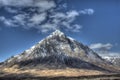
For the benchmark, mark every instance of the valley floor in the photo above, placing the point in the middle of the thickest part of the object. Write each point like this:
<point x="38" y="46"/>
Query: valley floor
<point x="95" y="77"/>
<point x="56" y="74"/>
<point x="68" y="72"/>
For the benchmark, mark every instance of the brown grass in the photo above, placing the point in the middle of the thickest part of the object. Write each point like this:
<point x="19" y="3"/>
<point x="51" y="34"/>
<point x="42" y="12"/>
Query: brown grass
<point x="68" y="72"/>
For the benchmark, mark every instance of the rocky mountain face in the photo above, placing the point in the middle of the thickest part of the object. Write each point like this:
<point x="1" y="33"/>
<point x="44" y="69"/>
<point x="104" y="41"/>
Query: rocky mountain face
<point x="59" y="51"/>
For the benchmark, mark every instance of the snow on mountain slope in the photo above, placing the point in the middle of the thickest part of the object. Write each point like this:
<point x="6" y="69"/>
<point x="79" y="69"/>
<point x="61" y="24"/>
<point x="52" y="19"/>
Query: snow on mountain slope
<point x="57" y="43"/>
<point x="113" y="59"/>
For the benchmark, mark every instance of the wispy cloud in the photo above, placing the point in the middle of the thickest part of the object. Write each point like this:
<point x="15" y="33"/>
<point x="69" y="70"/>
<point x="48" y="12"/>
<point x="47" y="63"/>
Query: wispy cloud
<point x="10" y="10"/>
<point x="43" y="4"/>
<point x="43" y="15"/>
<point x="100" y="46"/>
<point x="87" y="11"/>
<point x="7" y="22"/>
<point x="104" y="49"/>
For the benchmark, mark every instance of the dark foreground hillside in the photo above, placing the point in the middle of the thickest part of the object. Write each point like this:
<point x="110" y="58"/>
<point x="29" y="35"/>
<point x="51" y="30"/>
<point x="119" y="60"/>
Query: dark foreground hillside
<point x="93" y="77"/>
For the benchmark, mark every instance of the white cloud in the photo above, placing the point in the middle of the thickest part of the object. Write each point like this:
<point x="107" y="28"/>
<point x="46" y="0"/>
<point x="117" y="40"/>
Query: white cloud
<point x="2" y="18"/>
<point x="46" y="4"/>
<point x="48" y="26"/>
<point x="66" y="19"/>
<point x="76" y="28"/>
<point x="101" y="46"/>
<point x="58" y="15"/>
<point x="72" y="14"/>
<point x="16" y="2"/>
<point x="87" y="11"/>
<point x="103" y="49"/>
<point x="110" y="54"/>
<point x="42" y="15"/>
<point x="38" y="18"/>
<point x="41" y="4"/>
<point x="7" y="22"/>
<point x="10" y="10"/>
<point x="20" y="18"/>
<point x="26" y="19"/>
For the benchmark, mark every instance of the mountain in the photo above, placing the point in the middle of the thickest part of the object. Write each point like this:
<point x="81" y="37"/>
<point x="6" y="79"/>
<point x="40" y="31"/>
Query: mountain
<point x="57" y="51"/>
<point x="113" y="59"/>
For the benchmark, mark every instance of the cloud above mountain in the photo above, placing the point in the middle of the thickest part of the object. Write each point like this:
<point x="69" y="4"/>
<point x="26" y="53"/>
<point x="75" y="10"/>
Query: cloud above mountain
<point x="104" y="49"/>
<point x="100" y="46"/>
<point x="42" y="15"/>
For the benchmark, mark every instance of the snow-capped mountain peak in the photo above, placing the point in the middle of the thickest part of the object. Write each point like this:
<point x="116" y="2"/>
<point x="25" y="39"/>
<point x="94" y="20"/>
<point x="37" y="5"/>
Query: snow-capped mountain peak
<point x="57" y="50"/>
<point x="58" y="32"/>
<point x="58" y="43"/>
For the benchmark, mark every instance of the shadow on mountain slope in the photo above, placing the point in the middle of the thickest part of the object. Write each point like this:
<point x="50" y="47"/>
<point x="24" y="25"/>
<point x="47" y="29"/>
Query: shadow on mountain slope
<point x="56" y="62"/>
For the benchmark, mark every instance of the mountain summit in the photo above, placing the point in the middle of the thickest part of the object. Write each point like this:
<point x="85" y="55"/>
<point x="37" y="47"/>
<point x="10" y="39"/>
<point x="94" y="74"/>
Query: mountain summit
<point x="58" y="33"/>
<point x="58" y="51"/>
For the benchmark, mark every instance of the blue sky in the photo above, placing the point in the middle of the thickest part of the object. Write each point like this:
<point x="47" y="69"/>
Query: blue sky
<point x="93" y="22"/>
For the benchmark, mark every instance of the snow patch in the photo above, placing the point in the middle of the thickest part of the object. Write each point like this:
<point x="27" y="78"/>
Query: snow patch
<point x="32" y="47"/>
<point x="71" y="38"/>
<point x="58" y="33"/>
